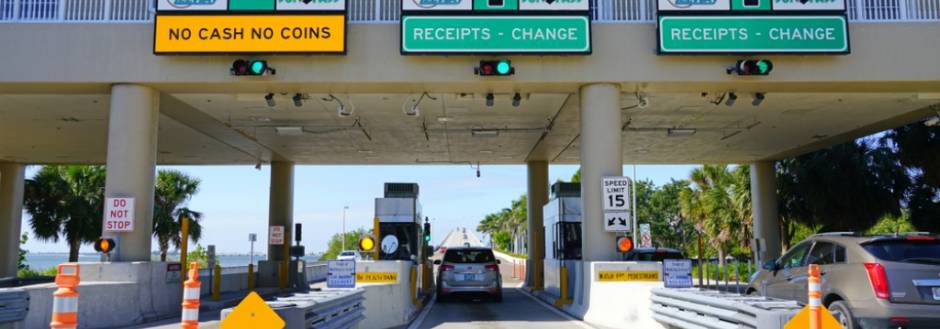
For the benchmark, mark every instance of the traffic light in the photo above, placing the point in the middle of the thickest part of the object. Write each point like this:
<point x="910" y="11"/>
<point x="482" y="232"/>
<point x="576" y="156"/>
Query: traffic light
<point x="366" y="243"/>
<point x="427" y="232"/>
<point x="105" y="245"/>
<point x="502" y="67"/>
<point x="251" y="67"/>
<point x="752" y="67"/>
<point x="624" y="244"/>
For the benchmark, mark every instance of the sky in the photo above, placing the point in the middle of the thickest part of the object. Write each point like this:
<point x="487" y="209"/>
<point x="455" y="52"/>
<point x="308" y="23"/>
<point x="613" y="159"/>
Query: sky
<point x="234" y="199"/>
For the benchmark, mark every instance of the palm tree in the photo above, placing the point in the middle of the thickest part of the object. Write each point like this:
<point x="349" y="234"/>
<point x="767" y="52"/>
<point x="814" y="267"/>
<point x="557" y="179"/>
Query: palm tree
<point x="66" y="201"/>
<point x="719" y="205"/>
<point x="173" y="190"/>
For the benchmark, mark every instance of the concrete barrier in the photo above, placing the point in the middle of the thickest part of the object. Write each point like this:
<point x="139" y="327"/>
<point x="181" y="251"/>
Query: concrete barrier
<point x="387" y="304"/>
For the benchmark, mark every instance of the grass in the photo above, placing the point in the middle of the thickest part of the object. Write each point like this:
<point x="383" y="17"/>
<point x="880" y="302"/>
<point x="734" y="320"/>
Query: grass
<point x="29" y="273"/>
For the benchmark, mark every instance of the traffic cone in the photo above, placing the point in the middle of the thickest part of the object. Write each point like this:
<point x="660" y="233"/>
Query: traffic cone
<point x="815" y="297"/>
<point x="65" y="299"/>
<point x="191" y="298"/>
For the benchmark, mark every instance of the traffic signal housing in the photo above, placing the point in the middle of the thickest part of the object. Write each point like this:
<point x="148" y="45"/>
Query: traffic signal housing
<point x="427" y="232"/>
<point x="251" y="67"/>
<point x="752" y="67"/>
<point x="105" y="245"/>
<point x="501" y="67"/>
<point x="367" y="243"/>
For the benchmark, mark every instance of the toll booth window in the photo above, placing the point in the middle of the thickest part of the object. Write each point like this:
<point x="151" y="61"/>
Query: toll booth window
<point x="569" y="246"/>
<point x="466" y="256"/>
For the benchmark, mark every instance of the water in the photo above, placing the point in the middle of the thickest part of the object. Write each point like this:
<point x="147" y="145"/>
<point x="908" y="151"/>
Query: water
<point x="42" y="261"/>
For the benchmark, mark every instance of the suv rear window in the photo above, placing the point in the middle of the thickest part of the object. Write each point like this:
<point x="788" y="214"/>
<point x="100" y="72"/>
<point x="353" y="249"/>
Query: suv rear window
<point x="347" y="253"/>
<point x="463" y="256"/>
<point x="909" y="251"/>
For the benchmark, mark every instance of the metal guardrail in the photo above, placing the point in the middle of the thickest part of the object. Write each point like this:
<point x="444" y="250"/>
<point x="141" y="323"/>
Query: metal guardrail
<point x="388" y="11"/>
<point x="328" y="309"/>
<point x="13" y="305"/>
<point x="694" y="308"/>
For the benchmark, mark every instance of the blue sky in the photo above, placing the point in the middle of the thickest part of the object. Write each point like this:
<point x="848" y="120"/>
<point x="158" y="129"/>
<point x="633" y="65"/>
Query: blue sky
<point x="234" y="199"/>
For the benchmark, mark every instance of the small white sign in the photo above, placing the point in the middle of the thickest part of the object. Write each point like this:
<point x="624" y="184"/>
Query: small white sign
<point x="276" y="235"/>
<point x="429" y="5"/>
<point x="617" y="221"/>
<point x="677" y="273"/>
<point x="310" y="5"/>
<point x="646" y="238"/>
<point x="341" y="274"/>
<point x="118" y="214"/>
<point x="804" y="5"/>
<point x="549" y="5"/>
<point x="192" y="5"/>
<point x="694" y="5"/>
<point x="616" y="193"/>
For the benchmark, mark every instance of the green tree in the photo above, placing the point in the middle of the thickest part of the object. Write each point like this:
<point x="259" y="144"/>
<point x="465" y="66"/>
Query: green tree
<point x="66" y="202"/>
<point x="893" y="225"/>
<point x="201" y="256"/>
<point x="718" y="205"/>
<point x="21" y="263"/>
<point x="173" y="191"/>
<point x="335" y="245"/>
<point x="917" y="148"/>
<point x="661" y="210"/>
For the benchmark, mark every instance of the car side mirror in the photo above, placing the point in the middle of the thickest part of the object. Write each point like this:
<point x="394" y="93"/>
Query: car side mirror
<point x="437" y="262"/>
<point x="770" y="265"/>
<point x="498" y="261"/>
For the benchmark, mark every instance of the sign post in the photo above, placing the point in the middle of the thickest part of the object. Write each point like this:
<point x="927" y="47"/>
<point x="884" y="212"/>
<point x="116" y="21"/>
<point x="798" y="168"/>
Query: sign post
<point x="617" y="206"/>
<point x="119" y="214"/>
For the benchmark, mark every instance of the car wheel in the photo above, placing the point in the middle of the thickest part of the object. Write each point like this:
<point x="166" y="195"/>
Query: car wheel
<point x="842" y="314"/>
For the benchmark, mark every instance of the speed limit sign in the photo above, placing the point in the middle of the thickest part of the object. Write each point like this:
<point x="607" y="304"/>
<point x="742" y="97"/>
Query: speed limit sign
<point x="616" y="194"/>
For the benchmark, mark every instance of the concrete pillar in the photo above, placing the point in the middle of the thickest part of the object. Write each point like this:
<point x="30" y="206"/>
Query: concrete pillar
<point x="537" y="198"/>
<point x="281" y="207"/>
<point x="601" y="155"/>
<point x="764" y="209"/>
<point x="11" y="212"/>
<point x="132" y="153"/>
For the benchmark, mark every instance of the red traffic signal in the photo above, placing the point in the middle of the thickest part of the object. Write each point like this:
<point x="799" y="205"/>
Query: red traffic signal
<point x="105" y="245"/>
<point x="624" y="244"/>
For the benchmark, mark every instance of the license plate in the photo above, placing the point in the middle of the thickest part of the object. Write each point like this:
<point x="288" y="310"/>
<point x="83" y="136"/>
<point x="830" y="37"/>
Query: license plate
<point x="468" y="277"/>
<point x="936" y="293"/>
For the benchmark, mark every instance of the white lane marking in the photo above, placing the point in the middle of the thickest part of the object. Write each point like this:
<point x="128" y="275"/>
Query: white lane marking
<point x="424" y="314"/>
<point x="567" y="316"/>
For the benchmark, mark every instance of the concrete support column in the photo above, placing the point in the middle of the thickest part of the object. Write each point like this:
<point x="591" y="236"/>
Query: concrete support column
<point x="764" y="209"/>
<point x="12" y="176"/>
<point x="601" y="155"/>
<point x="281" y="207"/>
<point x="132" y="153"/>
<point x="537" y="198"/>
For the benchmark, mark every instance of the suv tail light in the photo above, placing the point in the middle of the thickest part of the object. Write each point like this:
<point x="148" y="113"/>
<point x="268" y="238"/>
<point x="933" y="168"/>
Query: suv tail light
<point x="879" y="280"/>
<point x="445" y="268"/>
<point x="492" y="267"/>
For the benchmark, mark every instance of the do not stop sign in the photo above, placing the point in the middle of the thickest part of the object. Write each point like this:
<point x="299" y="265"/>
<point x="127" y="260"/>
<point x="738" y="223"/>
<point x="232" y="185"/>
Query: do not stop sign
<point x="119" y="214"/>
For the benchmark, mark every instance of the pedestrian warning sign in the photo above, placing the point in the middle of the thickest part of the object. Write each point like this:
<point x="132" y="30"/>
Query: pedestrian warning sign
<point x="624" y="276"/>
<point x="376" y="277"/>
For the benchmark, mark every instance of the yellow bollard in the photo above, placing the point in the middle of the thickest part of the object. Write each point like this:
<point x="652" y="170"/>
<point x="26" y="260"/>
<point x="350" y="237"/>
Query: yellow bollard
<point x="815" y="297"/>
<point x="65" y="299"/>
<point x="184" y="247"/>
<point x="217" y="282"/>
<point x="375" y="232"/>
<point x="414" y="285"/>
<point x="563" y="280"/>
<point x="251" y="277"/>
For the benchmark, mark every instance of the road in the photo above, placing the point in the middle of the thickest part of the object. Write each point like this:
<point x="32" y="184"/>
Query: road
<point x="517" y="311"/>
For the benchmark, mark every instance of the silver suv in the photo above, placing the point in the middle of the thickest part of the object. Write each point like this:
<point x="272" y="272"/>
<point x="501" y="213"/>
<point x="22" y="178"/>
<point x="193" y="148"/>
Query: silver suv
<point x="469" y="271"/>
<point x="890" y="281"/>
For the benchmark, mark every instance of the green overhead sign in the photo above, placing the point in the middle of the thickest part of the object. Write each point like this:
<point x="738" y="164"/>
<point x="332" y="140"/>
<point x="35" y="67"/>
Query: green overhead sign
<point x="753" y="34"/>
<point x="495" y="34"/>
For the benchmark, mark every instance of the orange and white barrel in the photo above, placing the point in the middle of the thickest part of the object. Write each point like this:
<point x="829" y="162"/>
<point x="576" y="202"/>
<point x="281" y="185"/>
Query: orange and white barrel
<point x="65" y="299"/>
<point x="191" y="298"/>
<point x="815" y="297"/>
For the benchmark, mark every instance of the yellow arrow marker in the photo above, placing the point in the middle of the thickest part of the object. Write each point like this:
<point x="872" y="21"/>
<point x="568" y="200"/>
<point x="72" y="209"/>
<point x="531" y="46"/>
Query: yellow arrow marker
<point x="801" y="320"/>
<point x="252" y="313"/>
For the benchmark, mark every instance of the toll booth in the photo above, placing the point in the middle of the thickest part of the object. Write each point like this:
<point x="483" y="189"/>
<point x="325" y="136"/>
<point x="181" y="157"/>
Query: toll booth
<point x="562" y="218"/>
<point x="400" y="223"/>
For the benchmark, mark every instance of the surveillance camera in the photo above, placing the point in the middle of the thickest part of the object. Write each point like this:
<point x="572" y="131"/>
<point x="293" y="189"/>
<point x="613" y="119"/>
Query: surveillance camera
<point x="932" y="121"/>
<point x="643" y="102"/>
<point x="342" y="111"/>
<point x="413" y="111"/>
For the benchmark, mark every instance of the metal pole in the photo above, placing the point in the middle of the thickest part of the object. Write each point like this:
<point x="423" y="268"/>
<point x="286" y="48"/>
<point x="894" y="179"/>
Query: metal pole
<point x="344" y="228"/>
<point x="634" y="203"/>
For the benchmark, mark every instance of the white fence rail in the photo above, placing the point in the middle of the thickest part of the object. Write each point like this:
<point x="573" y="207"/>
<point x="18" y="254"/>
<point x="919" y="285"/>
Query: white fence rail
<point x="387" y="11"/>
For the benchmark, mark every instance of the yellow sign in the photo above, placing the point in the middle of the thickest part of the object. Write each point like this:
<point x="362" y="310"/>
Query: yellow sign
<point x="252" y="313"/>
<point x="180" y="34"/>
<point x="376" y="277"/>
<point x="615" y="276"/>
<point x="801" y="320"/>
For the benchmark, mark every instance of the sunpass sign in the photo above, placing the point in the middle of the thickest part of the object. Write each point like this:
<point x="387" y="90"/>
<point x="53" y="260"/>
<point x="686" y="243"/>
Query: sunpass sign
<point x="752" y="27"/>
<point x="495" y="27"/>
<point x="753" y="34"/>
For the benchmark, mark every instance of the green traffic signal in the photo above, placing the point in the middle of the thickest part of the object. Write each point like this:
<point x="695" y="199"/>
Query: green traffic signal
<point x="258" y="67"/>
<point x="503" y="67"/>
